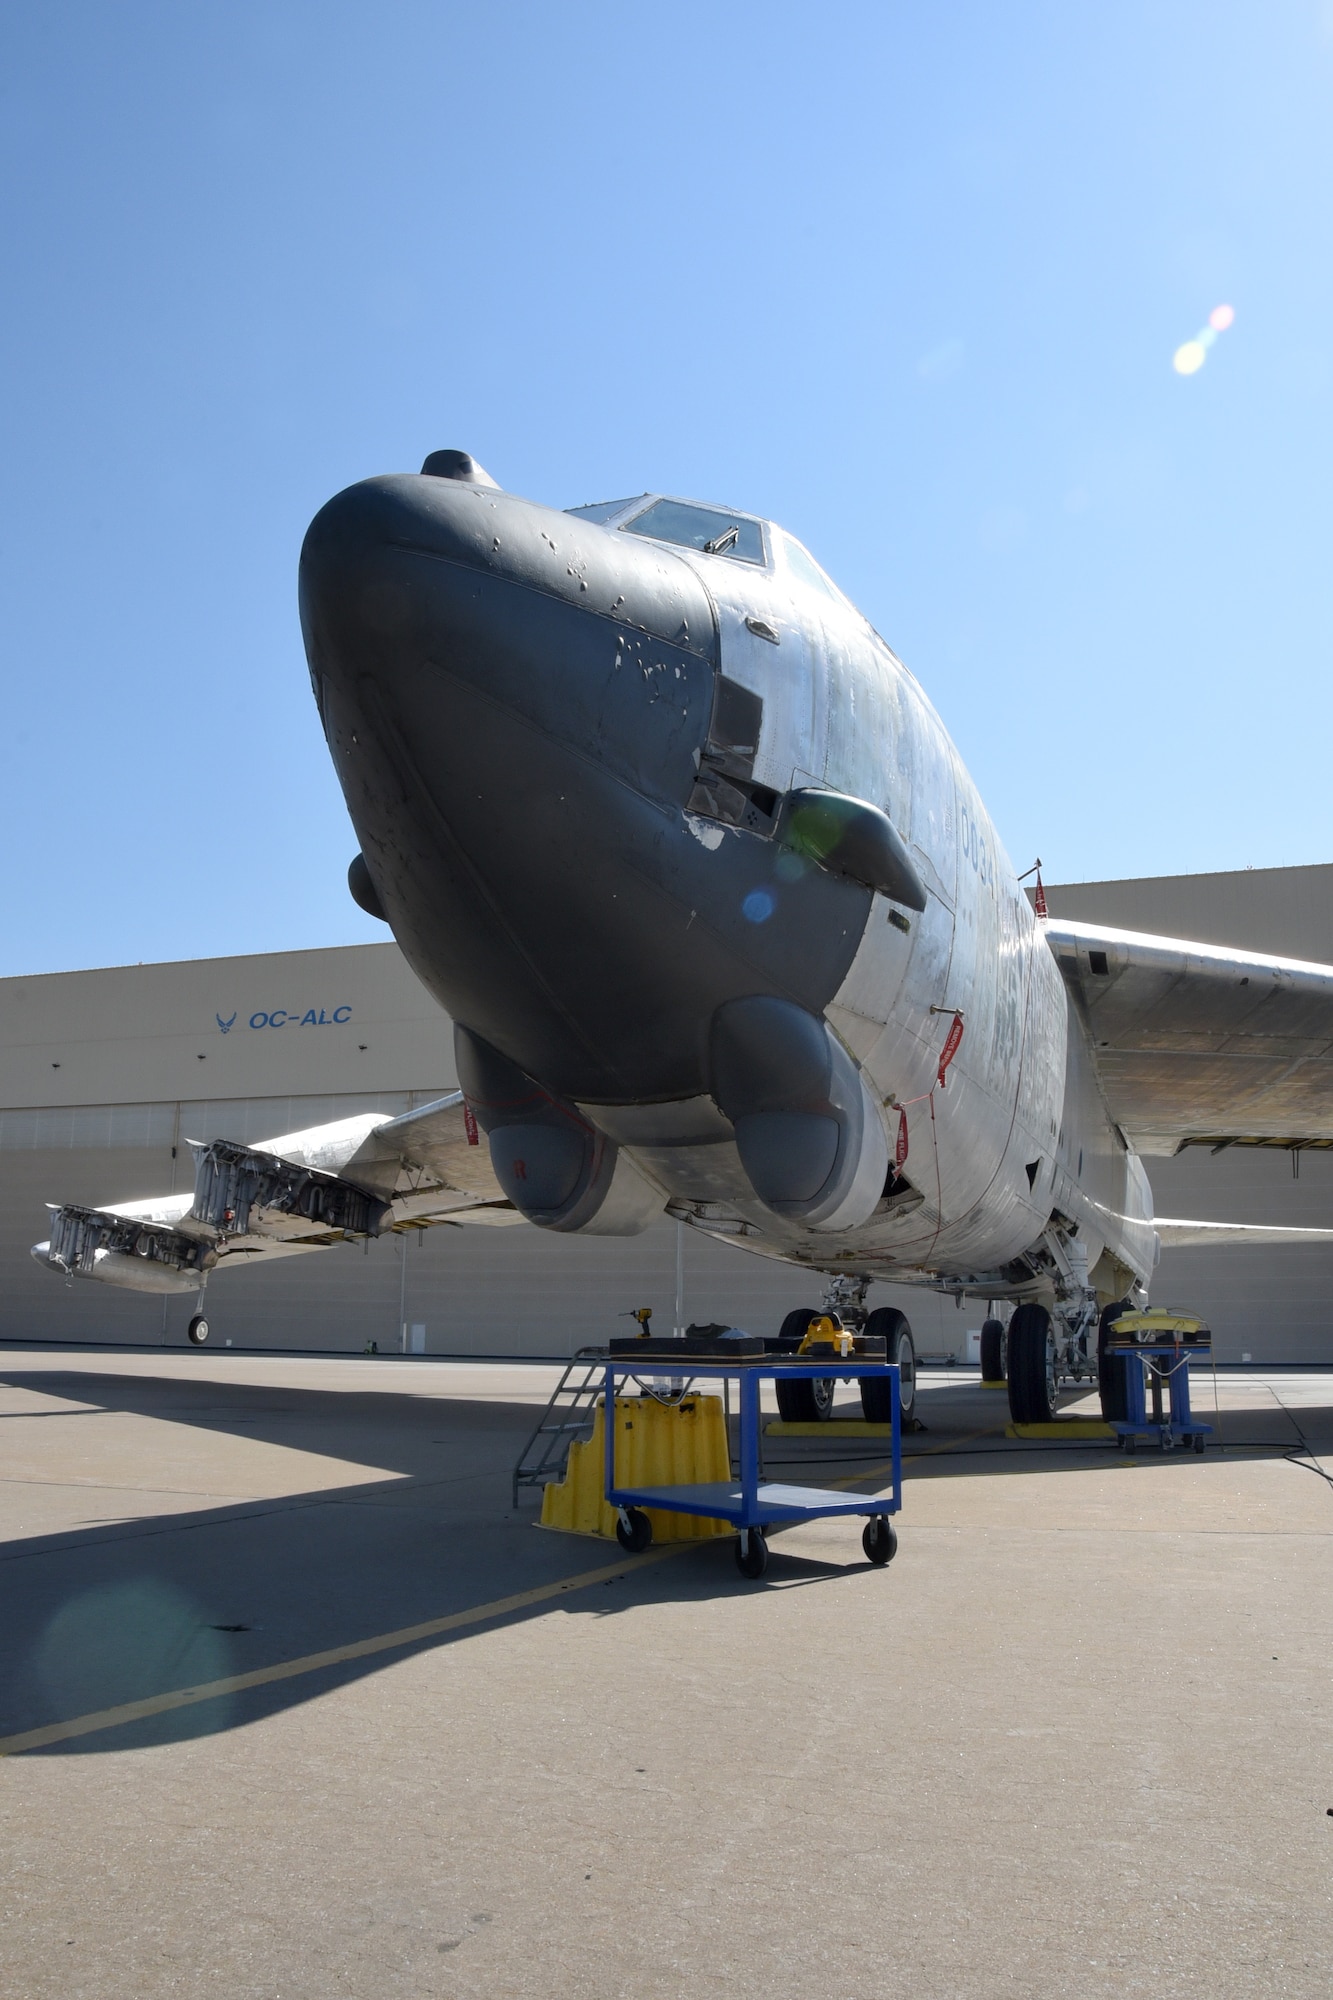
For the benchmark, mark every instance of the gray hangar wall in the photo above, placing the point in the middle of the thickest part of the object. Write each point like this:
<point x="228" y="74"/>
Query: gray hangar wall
<point x="105" y="1075"/>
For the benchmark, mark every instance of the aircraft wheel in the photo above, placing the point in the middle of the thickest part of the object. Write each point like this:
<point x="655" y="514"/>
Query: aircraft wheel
<point x="1031" y="1366"/>
<point x="634" y="1531"/>
<point x="992" y="1350"/>
<point x="879" y="1539"/>
<point x="803" y="1401"/>
<point x="751" y="1552"/>
<point x="197" y="1330"/>
<point x="877" y="1390"/>
<point x="1111" y="1368"/>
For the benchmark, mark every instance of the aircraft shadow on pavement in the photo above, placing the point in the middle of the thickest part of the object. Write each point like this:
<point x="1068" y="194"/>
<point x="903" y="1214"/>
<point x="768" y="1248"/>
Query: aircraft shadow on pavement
<point x="125" y="1610"/>
<point x="119" y="1611"/>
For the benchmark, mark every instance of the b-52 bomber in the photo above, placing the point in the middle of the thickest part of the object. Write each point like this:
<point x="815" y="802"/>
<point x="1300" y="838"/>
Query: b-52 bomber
<point x="725" y="932"/>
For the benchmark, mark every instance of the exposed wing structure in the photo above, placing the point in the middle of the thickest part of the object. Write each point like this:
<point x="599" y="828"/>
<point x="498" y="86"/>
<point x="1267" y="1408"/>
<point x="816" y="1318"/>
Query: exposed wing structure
<point x="298" y="1192"/>
<point x="1199" y="1043"/>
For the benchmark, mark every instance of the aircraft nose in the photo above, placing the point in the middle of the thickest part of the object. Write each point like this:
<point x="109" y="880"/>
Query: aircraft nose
<point x="517" y="702"/>
<point x="433" y="597"/>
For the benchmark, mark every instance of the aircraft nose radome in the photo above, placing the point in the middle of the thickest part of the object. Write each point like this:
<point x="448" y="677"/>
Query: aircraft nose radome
<point x="435" y="589"/>
<point x="516" y="701"/>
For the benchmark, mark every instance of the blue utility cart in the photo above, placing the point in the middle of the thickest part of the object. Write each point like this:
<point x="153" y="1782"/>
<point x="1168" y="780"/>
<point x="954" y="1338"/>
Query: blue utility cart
<point x="752" y="1503"/>
<point x="1154" y="1350"/>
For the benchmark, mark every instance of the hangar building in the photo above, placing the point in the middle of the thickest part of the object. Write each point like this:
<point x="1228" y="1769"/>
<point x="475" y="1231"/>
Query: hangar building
<point x="105" y="1075"/>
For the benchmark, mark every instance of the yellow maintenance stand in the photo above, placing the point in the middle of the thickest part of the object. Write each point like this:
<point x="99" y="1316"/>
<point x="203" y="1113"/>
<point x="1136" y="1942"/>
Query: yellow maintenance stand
<point x="659" y="1442"/>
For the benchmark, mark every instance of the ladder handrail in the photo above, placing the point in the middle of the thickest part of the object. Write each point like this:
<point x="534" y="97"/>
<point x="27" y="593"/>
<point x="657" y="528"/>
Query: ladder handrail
<point x="580" y="1399"/>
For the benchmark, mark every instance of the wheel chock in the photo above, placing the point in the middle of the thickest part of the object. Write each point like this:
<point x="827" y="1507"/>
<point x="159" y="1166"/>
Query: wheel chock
<point x="836" y="1427"/>
<point x="995" y="1385"/>
<point x="1062" y="1427"/>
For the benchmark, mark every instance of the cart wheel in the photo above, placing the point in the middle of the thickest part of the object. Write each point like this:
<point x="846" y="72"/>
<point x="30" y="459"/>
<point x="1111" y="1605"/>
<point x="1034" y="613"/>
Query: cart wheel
<point x="634" y="1530"/>
<point x="1198" y="1441"/>
<point x="879" y="1539"/>
<point x="751" y="1552"/>
<point x="197" y="1330"/>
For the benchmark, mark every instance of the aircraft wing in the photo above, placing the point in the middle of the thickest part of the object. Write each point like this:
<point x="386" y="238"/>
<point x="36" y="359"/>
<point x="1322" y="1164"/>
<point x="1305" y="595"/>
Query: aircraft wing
<point x="1200" y="1043"/>
<point x="298" y="1192"/>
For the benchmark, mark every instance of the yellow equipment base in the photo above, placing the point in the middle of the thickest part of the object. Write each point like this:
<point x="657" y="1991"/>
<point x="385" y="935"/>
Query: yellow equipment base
<point x="657" y="1444"/>
<point x="1062" y="1427"/>
<point x="995" y="1385"/>
<point x="837" y="1427"/>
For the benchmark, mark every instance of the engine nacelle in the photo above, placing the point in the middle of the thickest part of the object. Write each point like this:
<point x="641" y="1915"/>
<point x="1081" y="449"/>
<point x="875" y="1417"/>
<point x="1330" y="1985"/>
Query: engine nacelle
<point x="558" y="1170"/>
<point x="809" y="1133"/>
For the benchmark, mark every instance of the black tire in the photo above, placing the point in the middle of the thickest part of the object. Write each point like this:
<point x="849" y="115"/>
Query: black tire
<point x="992" y="1350"/>
<point x="1198" y="1442"/>
<point x="1031" y="1366"/>
<point x="879" y="1539"/>
<point x="634" y="1531"/>
<point x="877" y="1390"/>
<point x="805" y="1400"/>
<point x="751" y="1552"/>
<point x="197" y="1330"/>
<point x="1111" y="1368"/>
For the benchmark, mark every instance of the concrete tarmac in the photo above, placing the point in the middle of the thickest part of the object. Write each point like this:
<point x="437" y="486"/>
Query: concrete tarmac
<point x="1076" y="1740"/>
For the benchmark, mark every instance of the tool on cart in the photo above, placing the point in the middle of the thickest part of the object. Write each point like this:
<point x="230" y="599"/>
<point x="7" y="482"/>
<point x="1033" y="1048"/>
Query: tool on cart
<point x="1155" y="1349"/>
<point x="826" y="1334"/>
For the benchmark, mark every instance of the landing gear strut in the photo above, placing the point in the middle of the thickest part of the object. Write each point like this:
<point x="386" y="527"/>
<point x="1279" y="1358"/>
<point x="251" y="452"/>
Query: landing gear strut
<point x="197" y="1331"/>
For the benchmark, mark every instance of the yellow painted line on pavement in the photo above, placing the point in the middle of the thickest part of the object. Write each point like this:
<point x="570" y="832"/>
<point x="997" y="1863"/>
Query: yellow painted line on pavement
<point x="311" y="1663"/>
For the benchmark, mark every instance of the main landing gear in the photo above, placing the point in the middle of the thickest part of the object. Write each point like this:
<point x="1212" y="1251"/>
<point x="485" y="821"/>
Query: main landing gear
<point x="1032" y="1370"/>
<point x="811" y="1401"/>
<point x="1047" y="1348"/>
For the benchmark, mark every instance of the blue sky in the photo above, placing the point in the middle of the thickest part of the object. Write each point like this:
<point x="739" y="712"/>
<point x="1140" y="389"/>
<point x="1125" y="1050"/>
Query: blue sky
<point x="908" y="279"/>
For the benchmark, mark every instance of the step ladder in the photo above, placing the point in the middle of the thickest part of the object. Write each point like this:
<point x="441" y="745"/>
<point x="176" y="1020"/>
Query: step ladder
<point x="567" y="1416"/>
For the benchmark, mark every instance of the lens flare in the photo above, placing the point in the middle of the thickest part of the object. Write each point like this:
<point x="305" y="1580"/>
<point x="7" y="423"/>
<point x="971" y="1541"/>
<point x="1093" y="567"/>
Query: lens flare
<point x="1190" y="356"/>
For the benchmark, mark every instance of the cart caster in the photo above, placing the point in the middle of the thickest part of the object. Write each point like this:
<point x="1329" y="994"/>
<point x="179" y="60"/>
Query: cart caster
<point x="1198" y="1442"/>
<point x="879" y="1540"/>
<point x="634" y="1530"/>
<point x="197" y="1330"/>
<point x="751" y="1552"/>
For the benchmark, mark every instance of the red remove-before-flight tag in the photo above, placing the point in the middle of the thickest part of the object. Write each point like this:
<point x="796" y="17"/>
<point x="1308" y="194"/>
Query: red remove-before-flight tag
<point x="470" y="1124"/>
<point x="950" y="1049"/>
<point x="900" y="1150"/>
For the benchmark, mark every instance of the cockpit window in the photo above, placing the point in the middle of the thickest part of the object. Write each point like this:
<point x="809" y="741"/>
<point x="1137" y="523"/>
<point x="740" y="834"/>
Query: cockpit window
<point x="804" y="567"/>
<point x="602" y="510"/>
<point x="705" y="528"/>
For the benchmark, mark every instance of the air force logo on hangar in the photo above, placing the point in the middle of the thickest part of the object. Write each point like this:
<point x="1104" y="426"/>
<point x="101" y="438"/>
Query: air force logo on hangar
<point x="289" y="1017"/>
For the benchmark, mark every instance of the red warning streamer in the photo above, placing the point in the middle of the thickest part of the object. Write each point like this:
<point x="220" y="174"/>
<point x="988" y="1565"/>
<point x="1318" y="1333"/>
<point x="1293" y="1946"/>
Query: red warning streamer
<point x="470" y="1124"/>
<point x="900" y="1149"/>
<point x="950" y="1049"/>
